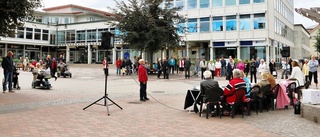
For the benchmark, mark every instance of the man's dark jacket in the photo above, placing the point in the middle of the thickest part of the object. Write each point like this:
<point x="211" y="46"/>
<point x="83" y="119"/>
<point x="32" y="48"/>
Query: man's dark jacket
<point x="7" y="64"/>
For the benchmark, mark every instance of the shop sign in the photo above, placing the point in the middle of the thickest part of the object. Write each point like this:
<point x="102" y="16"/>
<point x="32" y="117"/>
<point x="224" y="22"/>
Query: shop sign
<point x="2" y="46"/>
<point x="259" y="47"/>
<point x="14" y="46"/>
<point x="32" y="48"/>
<point x="231" y="48"/>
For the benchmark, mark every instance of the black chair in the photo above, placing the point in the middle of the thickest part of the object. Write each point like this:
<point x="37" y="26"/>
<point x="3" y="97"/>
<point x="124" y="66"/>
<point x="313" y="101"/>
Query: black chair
<point x="253" y="95"/>
<point x="239" y="93"/>
<point x="291" y="90"/>
<point x="265" y="90"/>
<point x="273" y="96"/>
<point x="212" y="98"/>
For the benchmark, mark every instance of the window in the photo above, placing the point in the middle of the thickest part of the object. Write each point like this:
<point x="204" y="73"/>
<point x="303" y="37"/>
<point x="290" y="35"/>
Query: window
<point x="181" y="27"/>
<point x="46" y="20"/>
<point x="66" y="20"/>
<point x="192" y="25"/>
<point x="180" y="3"/>
<point x="192" y="4"/>
<point x="70" y="36"/>
<point x="100" y="31"/>
<point x="61" y="37"/>
<point x="29" y="33"/>
<point x="245" y="22"/>
<point x="56" y="20"/>
<point x="258" y="1"/>
<point x="20" y="33"/>
<point x="37" y="34"/>
<point x="216" y="3"/>
<point x="81" y="36"/>
<point x="230" y="2"/>
<point x="91" y="36"/>
<point x="217" y="24"/>
<point x="231" y="23"/>
<point x="204" y="24"/>
<point x="244" y="1"/>
<point x="259" y="21"/>
<point x="204" y="3"/>
<point x="45" y="34"/>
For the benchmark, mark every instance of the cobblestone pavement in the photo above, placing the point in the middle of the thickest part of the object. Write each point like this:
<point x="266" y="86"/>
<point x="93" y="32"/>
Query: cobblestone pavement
<point x="58" y="111"/>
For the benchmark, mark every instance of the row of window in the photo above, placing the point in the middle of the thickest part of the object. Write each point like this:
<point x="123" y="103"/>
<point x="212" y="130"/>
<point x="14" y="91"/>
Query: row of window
<point x="284" y="10"/>
<point x="31" y="33"/>
<point x="223" y="23"/>
<point x="58" y="20"/>
<point x="283" y="30"/>
<point x="193" y="4"/>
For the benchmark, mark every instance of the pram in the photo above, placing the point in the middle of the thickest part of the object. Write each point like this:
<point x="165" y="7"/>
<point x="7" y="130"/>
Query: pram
<point x="41" y="80"/>
<point x="15" y="78"/>
<point x="63" y="70"/>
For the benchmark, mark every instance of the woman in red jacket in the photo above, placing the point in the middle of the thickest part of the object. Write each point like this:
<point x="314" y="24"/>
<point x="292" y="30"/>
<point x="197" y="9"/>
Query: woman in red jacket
<point x="143" y="78"/>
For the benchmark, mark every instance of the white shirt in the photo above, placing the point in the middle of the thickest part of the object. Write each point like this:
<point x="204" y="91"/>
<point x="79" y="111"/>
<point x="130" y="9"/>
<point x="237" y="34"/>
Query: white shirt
<point x="218" y="65"/>
<point x="262" y="67"/>
<point x="297" y="74"/>
<point x="211" y="66"/>
<point x="203" y="64"/>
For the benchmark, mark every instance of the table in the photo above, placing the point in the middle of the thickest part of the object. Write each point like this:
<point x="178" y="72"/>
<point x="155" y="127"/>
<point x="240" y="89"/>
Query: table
<point x="192" y="98"/>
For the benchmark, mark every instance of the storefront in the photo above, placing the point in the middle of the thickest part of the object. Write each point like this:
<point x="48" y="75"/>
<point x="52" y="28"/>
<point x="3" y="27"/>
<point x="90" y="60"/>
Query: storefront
<point x="32" y="52"/>
<point x="252" y="49"/>
<point x="224" y="49"/>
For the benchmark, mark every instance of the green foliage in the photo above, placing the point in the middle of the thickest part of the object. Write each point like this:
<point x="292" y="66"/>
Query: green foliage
<point x="16" y="60"/>
<point x="317" y="44"/>
<point x="143" y="26"/>
<point x="14" y="13"/>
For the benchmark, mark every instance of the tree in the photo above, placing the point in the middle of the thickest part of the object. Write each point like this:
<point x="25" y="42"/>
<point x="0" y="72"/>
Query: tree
<point x="14" y="13"/>
<point x="146" y="26"/>
<point x="317" y="44"/>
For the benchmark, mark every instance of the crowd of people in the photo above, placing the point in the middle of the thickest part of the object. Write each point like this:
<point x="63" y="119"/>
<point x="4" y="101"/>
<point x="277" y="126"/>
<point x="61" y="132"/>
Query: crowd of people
<point x="302" y="74"/>
<point x="37" y="67"/>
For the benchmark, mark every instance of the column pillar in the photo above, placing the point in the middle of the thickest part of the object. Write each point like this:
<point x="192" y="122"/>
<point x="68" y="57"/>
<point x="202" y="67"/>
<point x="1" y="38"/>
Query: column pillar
<point x="89" y="53"/>
<point x="67" y="54"/>
<point x="114" y="55"/>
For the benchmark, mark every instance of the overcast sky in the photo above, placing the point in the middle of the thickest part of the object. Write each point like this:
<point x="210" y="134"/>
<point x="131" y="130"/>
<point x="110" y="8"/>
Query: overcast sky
<point x="103" y="4"/>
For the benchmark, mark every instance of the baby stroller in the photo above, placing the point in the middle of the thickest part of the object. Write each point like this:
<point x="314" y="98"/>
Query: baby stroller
<point x="63" y="71"/>
<point x="41" y="80"/>
<point x="15" y="78"/>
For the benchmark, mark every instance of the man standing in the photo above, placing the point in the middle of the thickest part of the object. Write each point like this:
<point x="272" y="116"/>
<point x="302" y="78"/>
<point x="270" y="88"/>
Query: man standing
<point x="187" y="65"/>
<point x="196" y="66"/>
<point x="143" y="78"/>
<point x="223" y="66"/>
<point x="172" y="64"/>
<point x="7" y="65"/>
<point x="313" y="66"/>
<point x="165" y="68"/>
<point x="203" y="66"/>
<point x="48" y="61"/>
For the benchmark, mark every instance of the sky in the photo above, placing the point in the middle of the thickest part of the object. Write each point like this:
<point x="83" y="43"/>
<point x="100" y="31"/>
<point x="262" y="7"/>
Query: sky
<point x="103" y="4"/>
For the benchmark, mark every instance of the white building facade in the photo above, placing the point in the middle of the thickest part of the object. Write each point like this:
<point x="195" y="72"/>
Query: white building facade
<point x="301" y="48"/>
<point x="69" y="30"/>
<point x="242" y="29"/>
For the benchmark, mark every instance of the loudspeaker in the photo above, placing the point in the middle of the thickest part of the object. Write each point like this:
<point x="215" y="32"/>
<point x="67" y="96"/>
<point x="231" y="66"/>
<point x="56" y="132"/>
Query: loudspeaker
<point x="285" y="52"/>
<point x="107" y="40"/>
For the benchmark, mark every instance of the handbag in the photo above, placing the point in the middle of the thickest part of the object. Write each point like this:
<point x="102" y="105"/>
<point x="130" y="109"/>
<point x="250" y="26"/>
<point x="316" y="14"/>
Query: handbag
<point x="274" y="73"/>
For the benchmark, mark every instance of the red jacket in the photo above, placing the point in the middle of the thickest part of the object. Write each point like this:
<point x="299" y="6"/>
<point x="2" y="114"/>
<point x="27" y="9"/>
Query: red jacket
<point x="118" y="63"/>
<point x="142" y="74"/>
<point x="231" y="87"/>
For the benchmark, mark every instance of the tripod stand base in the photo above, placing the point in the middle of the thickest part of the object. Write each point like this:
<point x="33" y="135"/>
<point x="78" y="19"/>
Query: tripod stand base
<point x="105" y="103"/>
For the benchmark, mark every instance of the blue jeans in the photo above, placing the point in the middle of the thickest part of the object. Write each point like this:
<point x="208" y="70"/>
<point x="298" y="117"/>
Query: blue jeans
<point x="118" y="71"/>
<point x="7" y="78"/>
<point x="196" y="69"/>
<point x="223" y="71"/>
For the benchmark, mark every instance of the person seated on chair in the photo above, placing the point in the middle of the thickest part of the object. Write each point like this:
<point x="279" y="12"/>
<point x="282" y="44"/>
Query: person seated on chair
<point x="296" y="73"/>
<point x="38" y="72"/>
<point x="208" y="82"/>
<point x="233" y="85"/>
<point x="263" y="82"/>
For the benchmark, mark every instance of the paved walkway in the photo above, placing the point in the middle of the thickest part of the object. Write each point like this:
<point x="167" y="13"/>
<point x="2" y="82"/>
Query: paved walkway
<point x="58" y="112"/>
